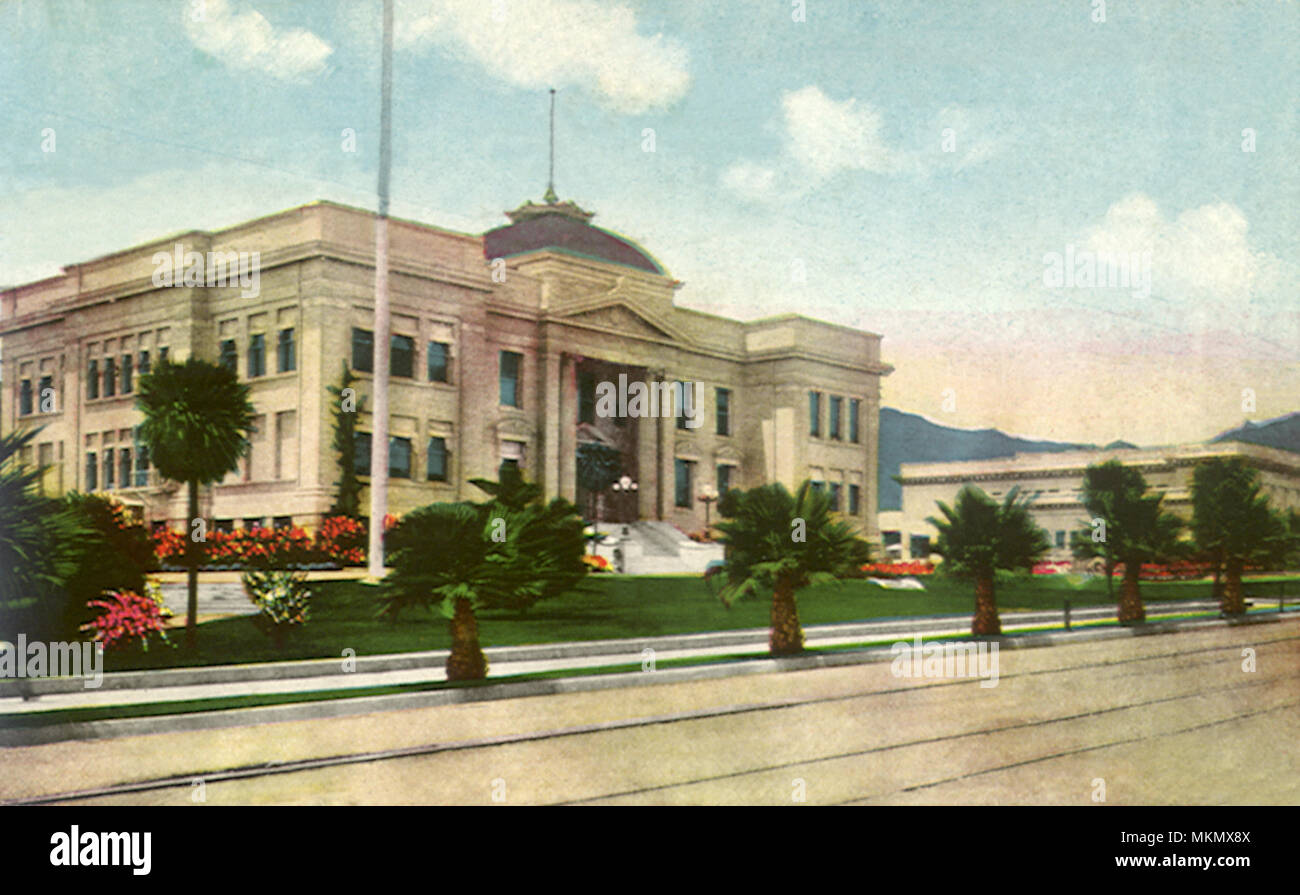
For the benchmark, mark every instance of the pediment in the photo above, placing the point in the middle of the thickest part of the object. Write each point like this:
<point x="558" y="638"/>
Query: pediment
<point x="625" y="320"/>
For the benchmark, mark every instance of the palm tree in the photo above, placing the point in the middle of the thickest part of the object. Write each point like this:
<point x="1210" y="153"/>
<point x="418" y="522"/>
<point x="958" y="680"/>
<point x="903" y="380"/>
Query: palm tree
<point x="197" y="418"/>
<point x="506" y="553"/>
<point x="783" y="542"/>
<point x="1233" y="523"/>
<point x="1138" y="529"/>
<point x="978" y="536"/>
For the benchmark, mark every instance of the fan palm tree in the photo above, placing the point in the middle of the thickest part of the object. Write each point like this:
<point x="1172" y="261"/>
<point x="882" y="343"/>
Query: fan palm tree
<point x="1233" y="523"/>
<point x="782" y="542"/>
<point x="506" y="553"/>
<point x="197" y="418"/>
<point x="978" y="536"/>
<point x="1138" y="529"/>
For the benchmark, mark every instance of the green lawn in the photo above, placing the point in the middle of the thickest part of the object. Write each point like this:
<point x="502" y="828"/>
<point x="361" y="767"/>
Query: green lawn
<point x="343" y="616"/>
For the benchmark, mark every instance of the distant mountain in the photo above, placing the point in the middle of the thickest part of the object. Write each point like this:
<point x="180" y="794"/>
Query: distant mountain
<point x="1281" y="432"/>
<point x="909" y="438"/>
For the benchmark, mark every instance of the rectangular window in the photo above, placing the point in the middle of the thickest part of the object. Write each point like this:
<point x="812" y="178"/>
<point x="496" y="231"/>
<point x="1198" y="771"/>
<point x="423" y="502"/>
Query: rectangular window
<point x="511" y="364"/>
<point x="279" y="522"/>
<point x="401" y="357"/>
<point x="252" y="524"/>
<point x="361" y="462"/>
<point x="363" y="350"/>
<point x="162" y="353"/>
<point x="837" y="404"/>
<point x="1060" y="539"/>
<point x="684" y="394"/>
<point x="436" y="461"/>
<point x="835" y="496"/>
<point x="586" y="398"/>
<point x="108" y="468"/>
<point x="436" y="361"/>
<point x="815" y="414"/>
<point x="92" y="380"/>
<point x="141" y="465"/>
<point x="920" y="546"/>
<point x="286" y="354"/>
<point x="256" y="355"/>
<point x="229" y="355"/>
<point x="225" y="526"/>
<point x="723" y="397"/>
<point x="92" y="471"/>
<point x="128" y="371"/>
<point x="45" y="395"/>
<point x="144" y="363"/>
<point x="399" y="458"/>
<point x="110" y="377"/>
<point x="683" y="490"/>
<point x="124" y="467"/>
<point x="854" y="407"/>
<point x="724" y="479"/>
<point x="25" y="397"/>
<point x="855" y="500"/>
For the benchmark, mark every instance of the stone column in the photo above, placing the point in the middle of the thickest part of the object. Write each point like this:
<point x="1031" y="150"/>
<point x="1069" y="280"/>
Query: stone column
<point x="568" y="416"/>
<point x="551" y="429"/>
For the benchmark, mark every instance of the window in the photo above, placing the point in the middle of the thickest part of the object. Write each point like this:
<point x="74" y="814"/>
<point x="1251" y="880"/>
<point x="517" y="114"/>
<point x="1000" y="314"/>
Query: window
<point x="162" y="353"/>
<point x="855" y="500"/>
<point x="512" y="454"/>
<point x="437" y="361"/>
<point x="144" y="364"/>
<point x="436" y="461"/>
<point x="92" y="471"/>
<point x="110" y="377"/>
<point x="256" y="355"/>
<point x="723" y="400"/>
<point x="892" y="538"/>
<point x="685" y="403"/>
<point x="511" y="364"/>
<point x="835" y="496"/>
<point x="1060" y="539"/>
<point x="252" y="524"/>
<point x="920" y="546"/>
<point x="128" y="382"/>
<point x="124" y="467"/>
<point x="363" y="350"/>
<point x="401" y="357"/>
<point x="25" y="397"/>
<point x="92" y="380"/>
<point x="141" y="465"/>
<point x="724" y="479"/>
<point x="108" y="468"/>
<point x="854" y="406"/>
<point x="586" y="398"/>
<point x="361" y="444"/>
<point x="815" y="414"/>
<point x="285" y="352"/>
<point x="282" y="522"/>
<point x="226" y="526"/>
<point x="229" y="355"/>
<point x="45" y="394"/>
<point x="399" y="458"/>
<point x="818" y="484"/>
<point x="837" y="404"/>
<point x="683" y="470"/>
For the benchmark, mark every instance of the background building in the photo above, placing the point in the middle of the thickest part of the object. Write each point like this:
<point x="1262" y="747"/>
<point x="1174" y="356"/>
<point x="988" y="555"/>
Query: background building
<point x="498" y="343"/>
<point x="1054" y="484"/>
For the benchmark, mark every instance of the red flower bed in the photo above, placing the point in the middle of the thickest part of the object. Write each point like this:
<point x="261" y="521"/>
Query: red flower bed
<point x="126" y="617"/>
<point x="898" y="569"/>
<point x="1175" y="571"/>
<point x="341" y="540"/>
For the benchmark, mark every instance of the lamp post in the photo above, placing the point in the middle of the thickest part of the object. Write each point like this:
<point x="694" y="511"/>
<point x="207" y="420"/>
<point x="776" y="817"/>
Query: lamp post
<point x="708" y="494"/>
<point x="625" y="485"/>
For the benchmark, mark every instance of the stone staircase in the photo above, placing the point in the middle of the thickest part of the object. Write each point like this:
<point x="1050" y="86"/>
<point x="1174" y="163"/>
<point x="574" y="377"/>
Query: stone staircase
<point x="654" y="548"/>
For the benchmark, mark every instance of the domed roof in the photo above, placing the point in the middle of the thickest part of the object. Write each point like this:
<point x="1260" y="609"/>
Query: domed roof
<point x="563" y="227"/>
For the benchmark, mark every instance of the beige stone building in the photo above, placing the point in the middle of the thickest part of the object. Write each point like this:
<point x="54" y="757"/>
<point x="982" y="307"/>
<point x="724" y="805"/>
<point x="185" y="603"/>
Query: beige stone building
<point x="499" y="342"/>
<point x="1054" y="484"/>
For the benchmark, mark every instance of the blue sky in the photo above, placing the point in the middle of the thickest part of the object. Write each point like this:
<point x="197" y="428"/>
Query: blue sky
<point x="902" y="167"/>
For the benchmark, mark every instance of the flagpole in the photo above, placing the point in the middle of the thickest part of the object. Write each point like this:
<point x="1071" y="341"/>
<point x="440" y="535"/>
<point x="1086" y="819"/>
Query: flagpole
<point x="383" y="322"/>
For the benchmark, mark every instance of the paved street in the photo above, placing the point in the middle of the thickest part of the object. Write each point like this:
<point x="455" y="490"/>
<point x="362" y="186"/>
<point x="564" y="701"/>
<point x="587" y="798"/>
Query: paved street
<point x="1171" y="719"/>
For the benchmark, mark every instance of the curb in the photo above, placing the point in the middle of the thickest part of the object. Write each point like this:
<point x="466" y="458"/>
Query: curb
<point x="361" y="705"/>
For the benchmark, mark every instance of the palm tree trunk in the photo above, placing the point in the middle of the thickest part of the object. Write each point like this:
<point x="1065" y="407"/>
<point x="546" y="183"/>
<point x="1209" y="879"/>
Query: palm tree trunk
<point x="1131" y="610"/>
<point x="986" y="622"/>
<point x="1234" y="602"/>
<point x="466" y="662"/>
<point x="1110" y="579"/>
<point x="1217" y="592"/>
<point x="192" y="559"/>
<point x="787" y="634"/>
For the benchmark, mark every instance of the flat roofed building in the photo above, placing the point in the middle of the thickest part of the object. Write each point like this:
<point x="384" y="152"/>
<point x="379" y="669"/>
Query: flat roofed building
<point x="500" y="342"/>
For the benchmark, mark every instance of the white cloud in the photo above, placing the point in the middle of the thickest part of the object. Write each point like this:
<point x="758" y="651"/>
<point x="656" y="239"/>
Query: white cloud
<point x="749" y="179"/>
<point x="1203" y="254"/>
<point x="827" y="136"/>
<point x="554" y="43"/>
<point x="247" y="41"/>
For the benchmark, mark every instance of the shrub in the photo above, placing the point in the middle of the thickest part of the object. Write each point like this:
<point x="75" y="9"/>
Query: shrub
<point x="128" y="615"/>
<point x="282" y="598"/>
